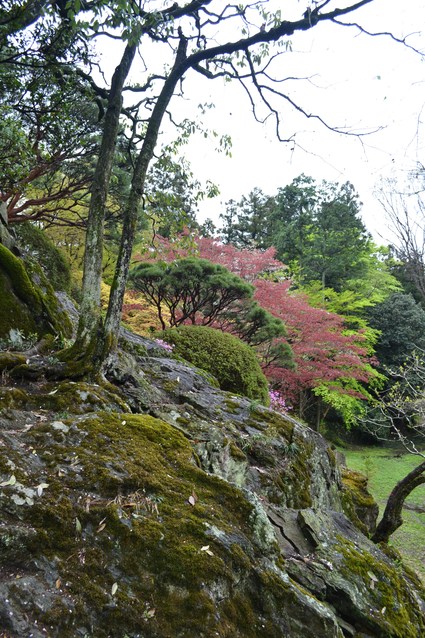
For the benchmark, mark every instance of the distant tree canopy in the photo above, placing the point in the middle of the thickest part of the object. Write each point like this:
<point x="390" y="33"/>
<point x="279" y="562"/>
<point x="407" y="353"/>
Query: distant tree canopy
<point x="401" y="322"/>
<point x="315" y="228"/>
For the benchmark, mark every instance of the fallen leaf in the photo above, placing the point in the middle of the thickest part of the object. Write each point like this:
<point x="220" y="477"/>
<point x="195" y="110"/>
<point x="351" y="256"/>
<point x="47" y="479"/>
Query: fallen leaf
<point x="192" y="498"/>
<point x="102" y="525"/>
<point x="18" y="500"/>
<point x="11" y="481"/>
<point x="260" y="470"/>
<point x="41" y="487"/>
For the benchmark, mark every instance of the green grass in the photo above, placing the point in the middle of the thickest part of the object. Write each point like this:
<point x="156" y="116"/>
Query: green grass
<point x="384" y="467"/>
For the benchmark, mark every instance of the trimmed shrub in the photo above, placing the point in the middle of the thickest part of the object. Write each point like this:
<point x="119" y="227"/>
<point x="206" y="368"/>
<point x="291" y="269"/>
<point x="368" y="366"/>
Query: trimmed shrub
<point x="232" y="362"/>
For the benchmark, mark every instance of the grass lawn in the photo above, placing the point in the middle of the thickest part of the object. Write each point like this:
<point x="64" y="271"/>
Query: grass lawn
<point x="384" y="468"/>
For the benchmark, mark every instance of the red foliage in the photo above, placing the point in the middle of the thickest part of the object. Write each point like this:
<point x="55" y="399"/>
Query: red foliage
<point x="246" y="263"/>
<point x="322" y="352"/>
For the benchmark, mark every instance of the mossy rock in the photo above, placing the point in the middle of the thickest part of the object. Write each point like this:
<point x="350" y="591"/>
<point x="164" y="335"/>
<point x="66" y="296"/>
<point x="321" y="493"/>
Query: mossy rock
<point x="40" y="248"/>
<point x="358" y="503"/>
<point x="136" y="540"/>
<point x="20" y="304"/>
<point x="28" y="303"/>
<point x="233" y="363"/>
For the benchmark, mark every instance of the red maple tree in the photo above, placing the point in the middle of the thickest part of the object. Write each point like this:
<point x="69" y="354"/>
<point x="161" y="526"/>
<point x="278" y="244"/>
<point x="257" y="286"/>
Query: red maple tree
<point x="324" y="352"/>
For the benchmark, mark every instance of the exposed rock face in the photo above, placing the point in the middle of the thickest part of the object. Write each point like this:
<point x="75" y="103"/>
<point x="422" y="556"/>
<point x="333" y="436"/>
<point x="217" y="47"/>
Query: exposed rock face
<point x="154" y="505"/>
<point x="157" y="506"/>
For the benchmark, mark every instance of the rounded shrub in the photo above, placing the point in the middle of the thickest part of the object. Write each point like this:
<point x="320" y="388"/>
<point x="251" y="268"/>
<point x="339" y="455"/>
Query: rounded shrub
<point x="231" y="361"/>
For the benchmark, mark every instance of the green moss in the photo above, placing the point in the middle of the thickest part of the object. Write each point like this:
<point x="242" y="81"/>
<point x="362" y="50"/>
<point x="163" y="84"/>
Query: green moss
<point x="19" y="300"/>
<point x="232" y="406"/>
<point x="22" y="284"/>
<point x="396" y="610"/>
<point x="9" y="360"/>
<point x="54" y="318"/>
<point x="358" y="504"/>
<point x="28" y="300"/>
<point x="143" y="473"/>
<point x="41" y="248"/>
<point x="231" y="361"/>
<point x="12" y="398"/>
<point x="331" y="457"/>
<point x="236" y="452"/>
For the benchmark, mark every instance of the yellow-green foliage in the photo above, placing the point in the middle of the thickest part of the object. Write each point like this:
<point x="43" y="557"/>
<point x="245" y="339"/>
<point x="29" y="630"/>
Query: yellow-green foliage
<point x="140" y="315"/>
<point x="232" y="362"/>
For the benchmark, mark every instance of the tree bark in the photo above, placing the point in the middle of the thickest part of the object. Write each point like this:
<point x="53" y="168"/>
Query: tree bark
<point x="392" y="518"/>
<point x="90" y="317"/>
<point x="113" y="316"/>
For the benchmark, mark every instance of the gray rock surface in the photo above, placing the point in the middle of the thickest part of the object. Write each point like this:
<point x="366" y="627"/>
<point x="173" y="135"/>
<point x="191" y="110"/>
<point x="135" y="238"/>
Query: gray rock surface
<point x="158" y="506"/>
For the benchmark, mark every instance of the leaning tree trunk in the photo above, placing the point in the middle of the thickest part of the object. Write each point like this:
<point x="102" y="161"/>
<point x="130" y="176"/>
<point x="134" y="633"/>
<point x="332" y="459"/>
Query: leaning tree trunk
<point x="392" y="518"/>
<point x="90" y="317"/>
<point x="113" y="316"/>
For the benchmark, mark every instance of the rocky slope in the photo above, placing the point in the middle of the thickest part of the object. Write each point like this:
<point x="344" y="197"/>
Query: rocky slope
<point x="154" y="505"/>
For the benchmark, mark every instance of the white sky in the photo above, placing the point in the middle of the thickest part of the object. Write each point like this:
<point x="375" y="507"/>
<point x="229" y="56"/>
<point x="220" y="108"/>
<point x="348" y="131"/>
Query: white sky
<point x="359" y="82"/>
<point x="356" y="81"/>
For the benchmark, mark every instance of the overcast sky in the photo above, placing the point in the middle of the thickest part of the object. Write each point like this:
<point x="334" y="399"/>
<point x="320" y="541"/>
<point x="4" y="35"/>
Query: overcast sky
<point x="356" y="81"/>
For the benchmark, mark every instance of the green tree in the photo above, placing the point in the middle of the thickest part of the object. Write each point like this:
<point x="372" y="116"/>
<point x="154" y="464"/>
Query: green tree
<point x="191" y="289"/>
<point x="315" y="228"/>
<point x="50" y="128"/>
<point x="319" y="233"/>
<point x="292" y="223"/>
<point x="246" y="223"/>
<point x="340" y="241"/>
<point x="401" y="322"/>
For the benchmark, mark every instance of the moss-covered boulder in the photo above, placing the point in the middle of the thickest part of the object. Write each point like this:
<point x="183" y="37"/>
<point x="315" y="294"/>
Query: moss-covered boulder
<point x="28" y="302"/>
<point x="41" y="249"/>
<point x="232" y="362"/>
<point x="206" y="517"/>
<point x="359" y="505"/>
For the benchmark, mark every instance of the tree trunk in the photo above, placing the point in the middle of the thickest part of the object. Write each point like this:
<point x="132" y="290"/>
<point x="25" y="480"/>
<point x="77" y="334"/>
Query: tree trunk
<point x="392" y="518"/>
<point x="113" y="317"/>
<point x="90" y="318"/>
